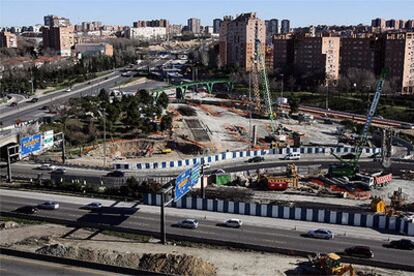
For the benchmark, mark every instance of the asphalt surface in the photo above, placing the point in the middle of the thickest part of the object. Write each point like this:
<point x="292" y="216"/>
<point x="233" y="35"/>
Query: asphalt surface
<point x="250" y="233"/>
<point x="14" y="266"/>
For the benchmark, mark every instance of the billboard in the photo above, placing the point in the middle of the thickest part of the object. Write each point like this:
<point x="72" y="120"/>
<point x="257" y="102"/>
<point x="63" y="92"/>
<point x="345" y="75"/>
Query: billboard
<point x="30" y="144"/>
<point x="186" y="180"/>
<point x="47" y="139"/>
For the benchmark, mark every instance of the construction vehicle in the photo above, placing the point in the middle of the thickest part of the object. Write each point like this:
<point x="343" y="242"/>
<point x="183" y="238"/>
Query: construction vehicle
<point x="351" y="168"/>
<point x="281" y="182"/>
<point x="397" y="199"/>
<point x="330" y="264"/>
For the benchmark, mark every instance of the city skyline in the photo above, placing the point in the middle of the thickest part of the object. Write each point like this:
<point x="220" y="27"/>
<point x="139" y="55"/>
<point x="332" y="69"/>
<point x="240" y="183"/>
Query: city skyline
<point x="124" y="12"/>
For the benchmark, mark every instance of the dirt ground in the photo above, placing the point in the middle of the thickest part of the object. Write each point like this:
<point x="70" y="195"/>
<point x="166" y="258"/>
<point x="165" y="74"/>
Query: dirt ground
<point x="85" y="244"/>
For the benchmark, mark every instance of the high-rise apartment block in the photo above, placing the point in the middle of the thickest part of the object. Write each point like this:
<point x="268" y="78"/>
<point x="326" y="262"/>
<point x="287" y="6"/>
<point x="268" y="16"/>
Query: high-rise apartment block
<point x="272" y="28"/>
<point x="237" y="40"/>
<point x="378" y="23"/>
<point x="60" y="39"/>
<point x="56" y="21"/>
<point x="285" y="26"/>
<point x="399" y="59"/>
<point x="319" y="55"/>
<point x="8" y="40"/>
<point x="283" y="52"/>
<point x="163" y="23"/>
<point x="194" y="25"/>
<point x="217" y="25"/>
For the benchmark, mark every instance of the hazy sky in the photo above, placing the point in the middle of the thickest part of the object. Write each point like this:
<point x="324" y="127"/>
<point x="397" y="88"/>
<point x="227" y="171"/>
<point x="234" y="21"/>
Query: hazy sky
<point x="124" y="12"/>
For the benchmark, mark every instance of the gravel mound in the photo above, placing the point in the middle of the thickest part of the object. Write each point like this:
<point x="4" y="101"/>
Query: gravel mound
<point x="176" y="264"/>
<point x="57" y="249"/>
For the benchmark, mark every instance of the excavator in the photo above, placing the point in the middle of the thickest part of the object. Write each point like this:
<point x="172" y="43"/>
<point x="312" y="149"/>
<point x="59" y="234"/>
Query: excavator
<point x="329" y="264"/>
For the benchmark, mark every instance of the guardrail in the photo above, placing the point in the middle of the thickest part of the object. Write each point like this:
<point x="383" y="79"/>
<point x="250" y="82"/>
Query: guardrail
<point x="78" y="263"/>
<point x="235" y="155"/>
<point x="271" y="249"/>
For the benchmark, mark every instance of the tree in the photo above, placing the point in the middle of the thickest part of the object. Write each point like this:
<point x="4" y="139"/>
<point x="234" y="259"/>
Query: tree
<point x="166" y="122"/>
<point x="103" y="96"/>
<point x="163" y="100"/>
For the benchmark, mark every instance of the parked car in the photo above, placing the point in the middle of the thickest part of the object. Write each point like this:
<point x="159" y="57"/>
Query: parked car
<point x="47" y="167"/>
<point x="402" y="244"/>
<point x="188" y="223"/>
<point x="292" y="156"/>
<point x="116" y="174"/>
<point x="93" y="206"/>
<point x="360" y="251"/>
<point x="29" y="210"/>
<point x="321" y="234"/>
<point x="49" y="205"/>
<point x="34" y="100"/>
<point x="234" y="223"/>
<point x="256" y="159"/>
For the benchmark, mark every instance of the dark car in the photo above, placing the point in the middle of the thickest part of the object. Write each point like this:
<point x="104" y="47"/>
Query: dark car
<point x="13" y="104"/>
<point x="116" y="174"/>
<point x="360" y="251"/>
<point x="348" y="156"/>
<point x="34" y="100"/>
<point x="402" y="244"/>
<point x="256" y="159"/>
<point x="29" y="210"/>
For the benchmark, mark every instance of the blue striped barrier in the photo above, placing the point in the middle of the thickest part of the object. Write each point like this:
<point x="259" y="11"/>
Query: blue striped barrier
<point x="233" y="155"/>
<point x="375" y="221"/>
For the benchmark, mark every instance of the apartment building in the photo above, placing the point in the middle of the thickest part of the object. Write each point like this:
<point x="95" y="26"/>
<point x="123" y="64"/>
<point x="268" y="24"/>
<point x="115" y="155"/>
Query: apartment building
<point x="283" y="52"/>
<point x="163" y="23"/>
<point x="147" y="33"/>
<point x="237" y="40"/>
<point x="56" y="21"/>
<point x="194" y="25"/>
<point x="285" y="26"/>
<point x="60" y="39"/>
<point x="94" y="49"/>
<point x="399" y="59"/>
<point x="8" y="40"/>
<point x="217" y="25"/>
<point x="319" y="55"/>
<point x="361" y="52"/>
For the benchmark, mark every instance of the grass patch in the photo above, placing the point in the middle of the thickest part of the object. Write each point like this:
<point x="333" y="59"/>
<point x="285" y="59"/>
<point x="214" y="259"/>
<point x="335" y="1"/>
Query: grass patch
<point x="20" y="220"/>
<point x="128" y="236"/>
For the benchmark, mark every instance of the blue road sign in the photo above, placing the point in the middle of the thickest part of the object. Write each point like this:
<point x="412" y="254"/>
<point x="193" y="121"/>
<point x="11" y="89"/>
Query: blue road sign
<point x="30" y="144"/>
<point x="182" y="184"/>
<point x="195" y="174"/>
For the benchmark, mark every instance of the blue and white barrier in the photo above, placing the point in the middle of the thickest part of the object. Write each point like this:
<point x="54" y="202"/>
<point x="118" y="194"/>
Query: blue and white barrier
<point x="375" y="221"/>
<point x="233" y="155"/>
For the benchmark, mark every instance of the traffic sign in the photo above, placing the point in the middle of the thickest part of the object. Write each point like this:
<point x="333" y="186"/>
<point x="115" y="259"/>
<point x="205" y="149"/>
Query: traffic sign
<point x="195" y="174"/>
<point x="30" y="144"/>
<point x="182" y="184"/>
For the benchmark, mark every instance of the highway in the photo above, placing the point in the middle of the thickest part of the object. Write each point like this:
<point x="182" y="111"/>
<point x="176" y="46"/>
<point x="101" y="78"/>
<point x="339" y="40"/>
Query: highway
<point x="260" y="231"/>
<point x="14" y="266"/>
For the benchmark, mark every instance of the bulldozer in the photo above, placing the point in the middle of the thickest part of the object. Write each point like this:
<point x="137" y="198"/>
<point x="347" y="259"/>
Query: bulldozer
<point x="330" y="264"/>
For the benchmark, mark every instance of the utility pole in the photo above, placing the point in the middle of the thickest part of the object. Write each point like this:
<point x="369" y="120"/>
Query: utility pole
<point x="164" y="204"/>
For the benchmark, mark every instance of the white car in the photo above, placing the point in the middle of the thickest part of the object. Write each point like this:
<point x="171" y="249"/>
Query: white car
<point x="234" y="223"/>
<point x="68" y="89"/>
<point x="47" y="167"/>
<point x="188" y="223"/>
<point x="321" y="234"/>
<point x="93" y="206"/>
<point x="292" y="156"/>
<point x="49" y="205"/>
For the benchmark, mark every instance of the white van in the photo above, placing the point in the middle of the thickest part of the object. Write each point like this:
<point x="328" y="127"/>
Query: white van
<point x="292" y="156"/>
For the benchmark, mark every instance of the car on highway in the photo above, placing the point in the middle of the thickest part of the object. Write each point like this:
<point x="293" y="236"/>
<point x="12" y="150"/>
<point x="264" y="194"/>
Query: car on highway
<point x="93" y="206"/>
<point x="407" y="126"/>
<point x="359" y="251"/>
<point x="115" y="174"/>
<point x="59" y="170"/>
<point x="49" y="205"/>
<point x="321" y="234"/>
<point x="34" y="100"/>
<point x="256" y="159"/>
<point x="28" y="210"/>
<point x="348" y="156"/>
<point x="68" y="89"/>
<point x="233" y="223"/>
<point x="292" y="156"/>
<point x="405" y="244"/>
<point x="47" y="167"/>
<point x="13" y="104"/>
<point x="188" y="223"/>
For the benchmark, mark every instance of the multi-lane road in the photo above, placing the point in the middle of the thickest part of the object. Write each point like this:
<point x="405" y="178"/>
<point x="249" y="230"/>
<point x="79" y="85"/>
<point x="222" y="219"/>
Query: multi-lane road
<point x="259" y="231"/>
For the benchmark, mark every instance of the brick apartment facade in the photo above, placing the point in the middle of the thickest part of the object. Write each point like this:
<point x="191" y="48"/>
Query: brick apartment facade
<point x="237" y="40"/>
<point x="60" y="39"/>
<point x="8" y="40"/>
